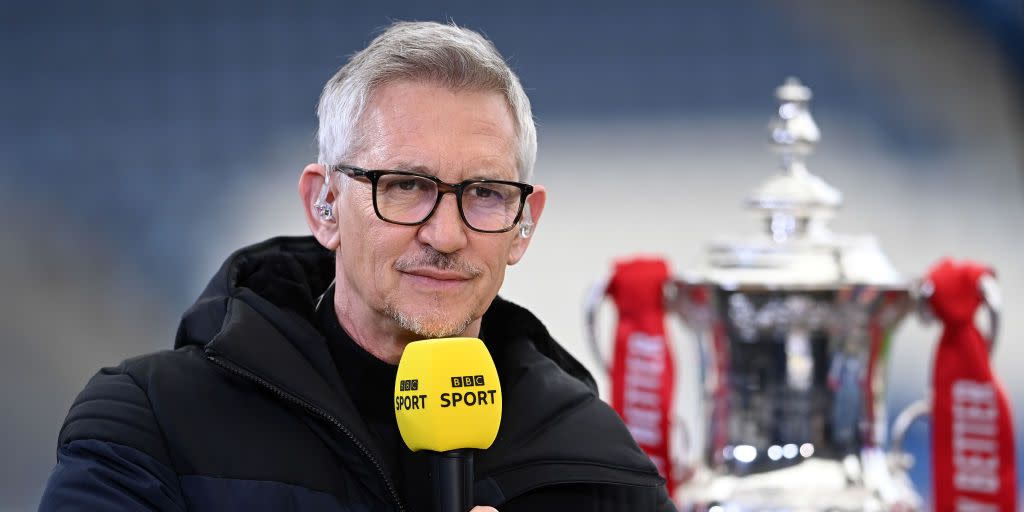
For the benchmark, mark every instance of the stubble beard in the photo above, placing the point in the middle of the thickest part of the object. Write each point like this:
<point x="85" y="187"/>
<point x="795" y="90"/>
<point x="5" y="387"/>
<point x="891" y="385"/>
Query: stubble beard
<point x="438" y="321"/>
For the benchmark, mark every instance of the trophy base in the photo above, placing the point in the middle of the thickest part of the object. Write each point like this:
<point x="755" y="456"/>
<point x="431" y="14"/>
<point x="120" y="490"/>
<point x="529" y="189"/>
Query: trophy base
<point x="814" y="485"/>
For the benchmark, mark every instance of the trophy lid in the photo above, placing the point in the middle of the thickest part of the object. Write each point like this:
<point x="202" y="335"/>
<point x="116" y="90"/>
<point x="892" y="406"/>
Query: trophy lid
<point x="796" y="247"/>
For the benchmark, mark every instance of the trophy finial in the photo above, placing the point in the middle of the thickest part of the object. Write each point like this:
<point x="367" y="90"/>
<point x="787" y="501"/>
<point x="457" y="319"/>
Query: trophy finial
<point x="795" y="201"/>
<point x="793" y="130"/>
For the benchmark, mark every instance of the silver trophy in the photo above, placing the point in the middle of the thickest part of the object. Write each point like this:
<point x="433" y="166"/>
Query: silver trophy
<point x="793" y="325"/>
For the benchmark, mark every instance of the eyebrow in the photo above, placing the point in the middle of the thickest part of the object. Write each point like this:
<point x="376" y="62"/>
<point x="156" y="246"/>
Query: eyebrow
<point x="409" y="167"/>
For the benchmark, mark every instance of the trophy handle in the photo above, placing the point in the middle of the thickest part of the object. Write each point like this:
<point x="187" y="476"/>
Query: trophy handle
<point x="911" y="413"/>
<point x="677" y="300"/>
<point x="590" y="307"/>
<point x="992" y="300"/>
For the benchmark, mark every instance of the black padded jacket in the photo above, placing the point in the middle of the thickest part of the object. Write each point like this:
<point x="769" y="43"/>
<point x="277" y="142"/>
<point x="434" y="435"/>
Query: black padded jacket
<point x="248" y="413"/>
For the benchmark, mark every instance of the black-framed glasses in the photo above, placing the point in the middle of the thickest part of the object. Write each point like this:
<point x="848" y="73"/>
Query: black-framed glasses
<point x="409" y="198"/>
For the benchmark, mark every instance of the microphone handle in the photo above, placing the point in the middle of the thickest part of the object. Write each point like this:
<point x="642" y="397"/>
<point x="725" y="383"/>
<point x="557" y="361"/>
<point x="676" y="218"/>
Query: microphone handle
<point x="453" y="480"/>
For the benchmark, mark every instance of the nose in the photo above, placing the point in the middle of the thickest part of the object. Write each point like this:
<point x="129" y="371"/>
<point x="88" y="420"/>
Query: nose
<point x="444" y="230"/>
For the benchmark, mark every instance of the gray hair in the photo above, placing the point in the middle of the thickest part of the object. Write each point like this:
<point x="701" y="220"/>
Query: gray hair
<point x="456" y="57"/>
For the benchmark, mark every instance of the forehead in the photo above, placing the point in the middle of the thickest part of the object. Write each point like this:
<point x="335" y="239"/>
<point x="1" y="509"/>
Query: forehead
<point x="452" y="134"/>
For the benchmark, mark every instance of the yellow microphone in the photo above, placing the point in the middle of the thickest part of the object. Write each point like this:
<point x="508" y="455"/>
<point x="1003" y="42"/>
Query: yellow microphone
<point x="448" y="401"/>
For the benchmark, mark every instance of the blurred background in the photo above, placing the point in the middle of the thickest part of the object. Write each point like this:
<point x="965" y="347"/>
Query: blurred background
<point x="140" y="144"/>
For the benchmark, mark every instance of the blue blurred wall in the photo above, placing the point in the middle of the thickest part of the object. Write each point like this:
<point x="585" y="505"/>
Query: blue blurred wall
<point x="127" y="127"/>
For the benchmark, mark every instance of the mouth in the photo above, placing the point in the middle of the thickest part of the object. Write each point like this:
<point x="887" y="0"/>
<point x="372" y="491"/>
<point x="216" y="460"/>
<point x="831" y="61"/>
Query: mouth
<point x="435" y="279"/>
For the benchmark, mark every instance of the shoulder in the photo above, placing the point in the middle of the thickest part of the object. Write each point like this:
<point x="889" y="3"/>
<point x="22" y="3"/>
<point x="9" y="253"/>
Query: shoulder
<point x="549" y="414"/>
<point x="507" y="326"/>
<point x="117" y="405"/>
<point x="111" y="451"/>
<point x="544" y="389"/>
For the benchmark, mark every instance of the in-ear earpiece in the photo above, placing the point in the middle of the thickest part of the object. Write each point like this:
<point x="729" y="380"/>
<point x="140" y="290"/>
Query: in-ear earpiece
<point x="325" y="210"/>
<point x="526" y="224"/>
<point x="322" y="207"/>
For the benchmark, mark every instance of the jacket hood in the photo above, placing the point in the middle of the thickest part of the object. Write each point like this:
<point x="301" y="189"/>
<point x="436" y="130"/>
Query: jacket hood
<point x="288" y="272"/>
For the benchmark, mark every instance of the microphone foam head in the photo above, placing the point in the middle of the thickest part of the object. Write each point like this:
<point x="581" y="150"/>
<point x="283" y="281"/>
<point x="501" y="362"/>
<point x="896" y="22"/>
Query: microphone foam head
<point x="447" y="395"/>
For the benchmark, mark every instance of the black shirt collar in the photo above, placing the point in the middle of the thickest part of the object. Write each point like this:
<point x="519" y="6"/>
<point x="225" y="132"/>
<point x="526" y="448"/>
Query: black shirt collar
<point x="369" y="381"/>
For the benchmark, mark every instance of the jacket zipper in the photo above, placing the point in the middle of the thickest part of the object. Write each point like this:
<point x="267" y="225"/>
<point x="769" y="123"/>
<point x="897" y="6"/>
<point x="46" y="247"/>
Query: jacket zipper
<point x="316" y="411"/>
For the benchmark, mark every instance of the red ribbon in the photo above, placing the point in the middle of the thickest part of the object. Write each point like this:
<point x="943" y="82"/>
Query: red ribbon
<point x="642" y="372"/>
<point x="972" y="433"/>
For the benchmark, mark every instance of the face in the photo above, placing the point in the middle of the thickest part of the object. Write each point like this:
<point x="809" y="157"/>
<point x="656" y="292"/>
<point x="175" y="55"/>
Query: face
<point x="438" y="278"/>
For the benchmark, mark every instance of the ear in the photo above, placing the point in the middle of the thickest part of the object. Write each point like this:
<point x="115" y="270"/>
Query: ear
<point x="311" y="183"/>
<point x="536" y="202"/>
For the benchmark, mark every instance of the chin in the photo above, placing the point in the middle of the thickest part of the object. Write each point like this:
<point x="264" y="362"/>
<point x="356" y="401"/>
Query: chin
<point x="435" y="323"/>
<point x="439" y="328"/>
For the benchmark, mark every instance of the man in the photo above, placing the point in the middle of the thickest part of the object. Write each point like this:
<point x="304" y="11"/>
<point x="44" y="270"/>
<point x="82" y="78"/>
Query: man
<point x="277" y="395"/>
